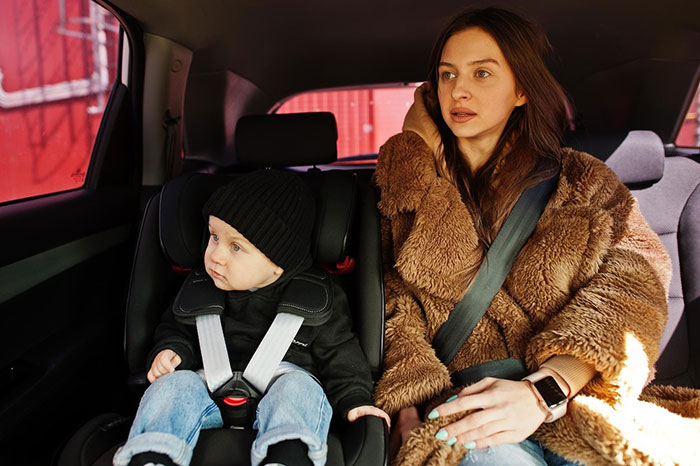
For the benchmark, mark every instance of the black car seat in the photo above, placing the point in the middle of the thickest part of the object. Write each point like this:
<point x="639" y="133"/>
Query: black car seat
<point x="668" y="191"/>
<point x="346" y="237"/>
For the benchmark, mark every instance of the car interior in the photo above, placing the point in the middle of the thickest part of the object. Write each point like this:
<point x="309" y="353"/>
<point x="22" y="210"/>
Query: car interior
<point x="87" y="273"/>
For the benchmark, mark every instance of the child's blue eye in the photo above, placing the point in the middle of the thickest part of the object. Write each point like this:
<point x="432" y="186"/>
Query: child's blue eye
<point x="214" y="237"/>
<point x="235" y="247"/>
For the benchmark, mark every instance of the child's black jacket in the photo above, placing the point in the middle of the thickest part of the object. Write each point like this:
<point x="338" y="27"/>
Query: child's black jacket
<point x="330" y="351"/>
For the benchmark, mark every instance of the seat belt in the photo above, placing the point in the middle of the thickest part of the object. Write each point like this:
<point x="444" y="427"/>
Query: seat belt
<point x="467" y="313"/>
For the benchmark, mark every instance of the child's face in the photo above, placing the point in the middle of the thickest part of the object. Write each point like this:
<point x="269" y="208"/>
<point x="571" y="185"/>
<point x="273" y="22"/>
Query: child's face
<point x="233" y="262"/>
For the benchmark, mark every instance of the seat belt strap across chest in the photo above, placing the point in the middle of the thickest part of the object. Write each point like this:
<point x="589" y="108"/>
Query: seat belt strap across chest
<point x="501" y="256"/>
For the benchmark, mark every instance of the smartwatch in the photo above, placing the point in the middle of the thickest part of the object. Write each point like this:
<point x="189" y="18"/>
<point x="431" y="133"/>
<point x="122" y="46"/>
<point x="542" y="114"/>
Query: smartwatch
<point x="550" y="395"/>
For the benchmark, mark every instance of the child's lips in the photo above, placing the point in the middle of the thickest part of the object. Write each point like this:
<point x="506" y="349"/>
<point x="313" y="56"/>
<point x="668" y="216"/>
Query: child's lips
<point x="216" y="275"/>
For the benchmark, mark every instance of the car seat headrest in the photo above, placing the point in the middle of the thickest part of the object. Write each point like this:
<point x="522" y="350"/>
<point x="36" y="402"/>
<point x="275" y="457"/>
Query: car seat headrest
<point x="286" y="140"/>
<point x="637" y="157"/>
<point x="182" y="226"/>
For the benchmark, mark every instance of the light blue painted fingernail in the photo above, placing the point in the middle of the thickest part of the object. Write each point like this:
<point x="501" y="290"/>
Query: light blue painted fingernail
<point x="470" y="445"/>
<point x="441" y="435"/>
<point x="451" y="441"/>
<point x="433" y="414"/>
<point x="452" y="398"/>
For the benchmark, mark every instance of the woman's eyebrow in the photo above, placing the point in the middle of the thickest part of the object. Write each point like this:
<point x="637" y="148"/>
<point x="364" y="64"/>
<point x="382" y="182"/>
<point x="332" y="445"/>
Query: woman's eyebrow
<point x="472" y="63"/>
<point x="485" y="60"/>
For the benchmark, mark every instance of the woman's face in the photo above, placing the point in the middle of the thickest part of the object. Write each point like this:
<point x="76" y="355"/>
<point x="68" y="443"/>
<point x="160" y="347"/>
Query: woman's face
<point x="476" y="89"/>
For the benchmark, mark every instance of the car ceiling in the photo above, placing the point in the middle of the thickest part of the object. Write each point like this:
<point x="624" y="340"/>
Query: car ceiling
<point x="627" y="64"/>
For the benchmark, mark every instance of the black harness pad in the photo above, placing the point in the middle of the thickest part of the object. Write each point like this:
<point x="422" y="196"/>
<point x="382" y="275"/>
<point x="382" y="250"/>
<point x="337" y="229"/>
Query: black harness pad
<point x="309" y="295"/>
<point x="198" y="296"/>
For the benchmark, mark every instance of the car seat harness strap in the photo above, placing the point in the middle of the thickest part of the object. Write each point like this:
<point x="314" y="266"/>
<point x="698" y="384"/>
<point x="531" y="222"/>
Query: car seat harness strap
<point x="501" y="256"/>
<point x="212" y="345"/>
<point x="306" y="300"/>
<point x="272" y="348"/>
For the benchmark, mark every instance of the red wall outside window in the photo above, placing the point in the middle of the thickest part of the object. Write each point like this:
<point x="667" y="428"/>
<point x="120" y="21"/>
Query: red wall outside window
<point x="366" y="118"/>
<point x="49" y="116"/>
<point x="689" y="135"/>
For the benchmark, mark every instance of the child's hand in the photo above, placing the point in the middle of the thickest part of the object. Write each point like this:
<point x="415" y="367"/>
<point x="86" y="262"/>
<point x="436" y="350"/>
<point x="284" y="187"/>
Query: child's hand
<point x="355" y="413"/>
<point x="165" y="362"/>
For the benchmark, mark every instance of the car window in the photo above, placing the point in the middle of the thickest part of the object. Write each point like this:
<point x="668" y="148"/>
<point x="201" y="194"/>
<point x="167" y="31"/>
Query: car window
<point x="689" y="134"/>
<point x="366" y="117"/>
<point x="57" y="65"/>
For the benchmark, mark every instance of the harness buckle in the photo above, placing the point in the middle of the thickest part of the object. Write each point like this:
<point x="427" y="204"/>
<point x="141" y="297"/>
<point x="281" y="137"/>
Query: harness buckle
<point x="237" y="400"/>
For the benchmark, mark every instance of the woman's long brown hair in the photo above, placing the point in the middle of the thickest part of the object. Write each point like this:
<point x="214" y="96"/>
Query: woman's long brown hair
<point x="529" y="150"/>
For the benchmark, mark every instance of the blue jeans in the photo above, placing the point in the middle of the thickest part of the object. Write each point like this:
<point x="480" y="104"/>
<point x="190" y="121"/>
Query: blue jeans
<point x="177" y="406"/>
<point x="527" y="453"/>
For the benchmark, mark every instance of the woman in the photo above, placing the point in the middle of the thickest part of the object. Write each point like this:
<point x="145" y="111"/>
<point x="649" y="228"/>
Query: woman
<point x="584" y="304"/>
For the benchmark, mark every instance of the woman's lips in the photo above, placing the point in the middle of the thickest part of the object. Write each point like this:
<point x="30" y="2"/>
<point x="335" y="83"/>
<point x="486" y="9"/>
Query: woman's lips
<point x="462" y="115"/>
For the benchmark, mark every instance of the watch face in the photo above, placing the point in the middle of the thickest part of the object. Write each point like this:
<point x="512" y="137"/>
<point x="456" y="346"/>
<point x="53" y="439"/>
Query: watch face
<point x="550" y="392"/>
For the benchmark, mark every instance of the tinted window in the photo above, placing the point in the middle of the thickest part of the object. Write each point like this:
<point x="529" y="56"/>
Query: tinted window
<point x="366" y="117"/>
<point x="689" y="135"/>
<point x="57" y="64"/>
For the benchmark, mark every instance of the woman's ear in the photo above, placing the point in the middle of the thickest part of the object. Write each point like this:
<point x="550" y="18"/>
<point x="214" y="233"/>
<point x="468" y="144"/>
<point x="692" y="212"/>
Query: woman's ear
<point x="522" y="100"/>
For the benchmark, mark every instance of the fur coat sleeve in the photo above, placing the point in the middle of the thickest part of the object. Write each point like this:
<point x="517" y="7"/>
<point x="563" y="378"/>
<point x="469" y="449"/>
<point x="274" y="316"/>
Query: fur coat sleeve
<point x="591" y="282"/>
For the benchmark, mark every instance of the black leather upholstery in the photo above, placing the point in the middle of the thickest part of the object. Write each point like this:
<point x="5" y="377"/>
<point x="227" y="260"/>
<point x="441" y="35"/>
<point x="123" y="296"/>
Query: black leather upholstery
<point x="182" y="224"/>
<point x="369" y="276"/>
<point x="152" y="287"/>
<point x="95" y="443"/>
<point x="668" y="191"/>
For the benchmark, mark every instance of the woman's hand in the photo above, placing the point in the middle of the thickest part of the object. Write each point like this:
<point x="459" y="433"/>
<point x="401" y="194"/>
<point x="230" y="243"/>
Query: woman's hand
<point x="165" y="362"/>
<point x="506" y="412"/>
<point x="406" y="420"/>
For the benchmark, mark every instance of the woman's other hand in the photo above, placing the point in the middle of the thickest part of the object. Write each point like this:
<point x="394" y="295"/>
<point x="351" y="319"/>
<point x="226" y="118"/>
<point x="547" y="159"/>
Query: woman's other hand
<point x="501" y="411"/>
<point x="165" y="362"/>
<point x="406" y="420"/>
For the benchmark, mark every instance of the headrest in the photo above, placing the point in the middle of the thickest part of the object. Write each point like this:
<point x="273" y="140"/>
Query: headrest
<point x="635" y="156"/>
<point x="286" y="140"/>
<point x="182" y="226"/>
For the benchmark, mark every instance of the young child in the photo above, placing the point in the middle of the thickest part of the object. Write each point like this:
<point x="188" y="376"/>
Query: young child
<point x="259" y="238"/>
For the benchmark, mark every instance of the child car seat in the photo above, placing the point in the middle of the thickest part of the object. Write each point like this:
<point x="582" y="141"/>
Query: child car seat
<point x="171" y="241"/>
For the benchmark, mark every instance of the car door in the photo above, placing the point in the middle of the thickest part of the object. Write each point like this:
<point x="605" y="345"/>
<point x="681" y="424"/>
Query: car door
<point x="67" y="246"/>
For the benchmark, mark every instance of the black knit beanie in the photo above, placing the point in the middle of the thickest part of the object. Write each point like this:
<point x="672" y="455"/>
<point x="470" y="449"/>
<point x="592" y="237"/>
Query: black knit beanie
<point x="273" y="209"/>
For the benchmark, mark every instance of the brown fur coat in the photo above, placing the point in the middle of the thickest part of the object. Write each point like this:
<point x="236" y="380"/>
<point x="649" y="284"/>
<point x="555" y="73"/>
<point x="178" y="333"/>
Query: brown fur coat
<point x="591" y="282"/>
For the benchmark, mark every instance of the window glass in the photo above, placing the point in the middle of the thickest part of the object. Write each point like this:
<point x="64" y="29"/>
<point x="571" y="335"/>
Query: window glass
<point x="689" y="135"/>
<point x="366" y="117"/>
<point x="57" y="64"/>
